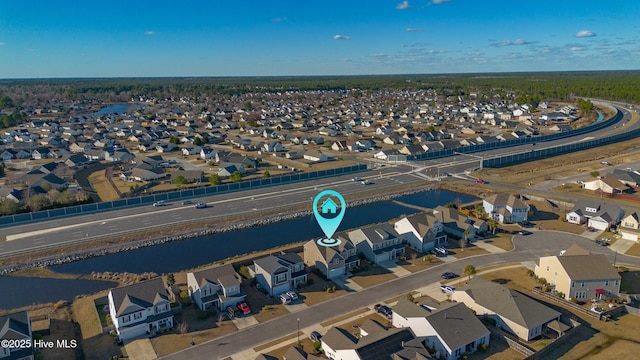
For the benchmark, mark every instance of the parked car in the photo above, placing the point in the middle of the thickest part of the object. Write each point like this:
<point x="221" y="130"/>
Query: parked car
<point x="285" y="299"/>
<point x="524" y="233"/>
<point x="315" y="336"/>
<point x="232" y="312"/>
<point x="440" y="250"/>
<point x="605" y="163"/>
<point x="244" y="308"/>
<point x="292" y="295"/>
<point x="480" y="181"/>
<point x="596" y="309"/>
<point x="449" y="275"/>
<point x="201" y="205"/>
<point x="447" y="289"/>
<point x="384" y="310"/>
<point x="590" y="229"/>
<point x="159" y="203"/>
<point x="187" y="202"/>
<point x="602" y="242"/>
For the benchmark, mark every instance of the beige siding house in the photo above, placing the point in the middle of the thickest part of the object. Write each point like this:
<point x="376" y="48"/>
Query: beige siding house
<point x="332" y="261"/>
<point x="630" y="227"/>
<point x="579" y="274"/>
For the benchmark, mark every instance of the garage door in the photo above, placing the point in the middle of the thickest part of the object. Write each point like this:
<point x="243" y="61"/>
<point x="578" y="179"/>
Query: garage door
<point x="598" y="225"/>
<point x="335" y="272"/>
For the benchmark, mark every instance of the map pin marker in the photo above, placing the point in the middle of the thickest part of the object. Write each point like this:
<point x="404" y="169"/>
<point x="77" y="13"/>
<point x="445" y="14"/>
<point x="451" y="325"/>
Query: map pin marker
<point x="329" y="207"/>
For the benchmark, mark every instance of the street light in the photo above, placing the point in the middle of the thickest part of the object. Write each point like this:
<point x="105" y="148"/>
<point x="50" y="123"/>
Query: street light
<point x="298" y="330"/>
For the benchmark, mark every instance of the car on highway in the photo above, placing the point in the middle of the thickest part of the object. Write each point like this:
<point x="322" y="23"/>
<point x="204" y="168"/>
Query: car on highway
<point x="201" y="205"/>
<point x="367" y="182"/>
<point x="244" y="308"/>
<point x="315" y="336"/>
<point x="480" y="181"/>
<point x="449" y="275"/>
<point x="356" y="179"/>
<point x="605" y="163"/>
<point x="187" y="202"/>
<point x="160" y="203"/>
<point x="447" y="289"/>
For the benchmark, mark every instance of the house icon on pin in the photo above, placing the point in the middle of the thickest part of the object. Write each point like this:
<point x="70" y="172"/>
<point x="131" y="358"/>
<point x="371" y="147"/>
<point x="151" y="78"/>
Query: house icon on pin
<point x="329" y="206"/>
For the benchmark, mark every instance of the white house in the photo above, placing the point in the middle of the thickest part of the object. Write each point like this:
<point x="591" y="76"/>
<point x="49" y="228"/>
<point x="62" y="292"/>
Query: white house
<point x="139" y="309"/>
<point x="505" y="208"/>
<point x="452" y="329"/>
<point x="208" y="153"/>
<point x="217" y="287"/>
<point x="315" y="155"/>
<point x="421" y="231"/>
<point x="597" y="215"/>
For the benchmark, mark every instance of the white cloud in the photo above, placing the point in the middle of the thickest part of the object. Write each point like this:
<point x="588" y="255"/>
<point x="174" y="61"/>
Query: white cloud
<point x="1" y="44"/>
<point x="409" y="29"/>
<point x="576" y="48"/>
<point x="585" y="33"/>
<point x="279" y="19"/>
<point x="149" y="32"/>
<point x="436" y="2"/>
<point x="512" y="42"/>
<point x="341" y="37"/>
<point x="404" y="5"/>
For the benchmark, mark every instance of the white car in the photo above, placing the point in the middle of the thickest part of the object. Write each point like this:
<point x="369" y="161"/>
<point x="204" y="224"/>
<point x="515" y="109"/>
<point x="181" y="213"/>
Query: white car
<point x="159" y="203"/>
<point x="201" y="205"/>
<point x="366" y="182"/>
<point x="285" y="299"/>
<point x="292" y="295"/>
<point x="356" y="179"/>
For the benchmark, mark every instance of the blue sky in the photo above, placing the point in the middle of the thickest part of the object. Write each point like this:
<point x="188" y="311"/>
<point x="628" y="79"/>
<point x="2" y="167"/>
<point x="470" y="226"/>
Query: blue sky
<point x="264" y="38"/>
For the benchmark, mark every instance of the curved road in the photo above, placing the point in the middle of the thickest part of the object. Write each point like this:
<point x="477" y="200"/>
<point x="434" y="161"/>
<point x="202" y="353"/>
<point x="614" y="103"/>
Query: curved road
<point x="60" y="232"/>
<point x="527" y="248"/>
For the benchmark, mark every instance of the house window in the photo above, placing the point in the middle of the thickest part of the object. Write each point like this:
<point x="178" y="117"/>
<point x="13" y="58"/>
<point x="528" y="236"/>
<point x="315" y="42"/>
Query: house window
<point x="547" y="267"/>
<point x="606" y="283"/>
<point x="582" y="284"/>
<point x="629" y="225"/>
<point x="281" y="278"/>
<point x="615" y="283"/>
<point x="126" y="319"/>
<point x="573" y="284"/>
<point x="137" y="316"/>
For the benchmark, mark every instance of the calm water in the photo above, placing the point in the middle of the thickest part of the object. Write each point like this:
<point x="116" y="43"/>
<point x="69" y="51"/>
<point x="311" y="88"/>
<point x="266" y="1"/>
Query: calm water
<point x="180" y="255"/>
<point x="33" y="290"/>
<point x="113" y="109"/>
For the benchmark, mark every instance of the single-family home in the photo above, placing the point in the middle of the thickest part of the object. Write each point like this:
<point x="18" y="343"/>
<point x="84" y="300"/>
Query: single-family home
<point x="512" y="310"/>
<point x="279" y="273"/>
<point x="421" y="231"/>
<point x="597" y="215"/>
<point x="315" y="155"/>
<point x="630" y="227"/>
<point x="332" y="261"/>
<point x="451" y="328"/>
<point x="456" y="223"/>
<point x="207" y="153"/>
<point x="216" y="287"/>
<point x="16" y="328"/>
<point x="139" y="309"/>
<point x="606" y="184"/>
<point x="378" y="243"/>
<point x="579" y="274"/>
<point x="505" y="208"/>
<point x="372" y="342"/>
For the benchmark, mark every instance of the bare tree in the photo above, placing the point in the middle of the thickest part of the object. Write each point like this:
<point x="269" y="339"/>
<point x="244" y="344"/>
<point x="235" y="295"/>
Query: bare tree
<point x="183" y="327"/>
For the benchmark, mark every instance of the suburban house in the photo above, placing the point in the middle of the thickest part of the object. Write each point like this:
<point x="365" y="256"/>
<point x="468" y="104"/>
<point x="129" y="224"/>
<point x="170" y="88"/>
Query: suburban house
<point x="378" y="243"/>
<point x="332" y="261"/>
<point x="372" y="342"/>
<point x="579" y="274"/>
<point x="139" y="309"/>
<point x="315" y="156"/>
<point x="456" y="223"/>
<point x="505" y="208"/>
<point x="421" y="231"/>
<point x="452" y="329"/>
<point x="607" y="185"/>
<point x="630" y="227"/>
<point x="217" y="287"/>
<point x="597" y="215"/>
<point x="17" y="327"/>
<point x="512" y="310"/>
<point x="279" y="273"/>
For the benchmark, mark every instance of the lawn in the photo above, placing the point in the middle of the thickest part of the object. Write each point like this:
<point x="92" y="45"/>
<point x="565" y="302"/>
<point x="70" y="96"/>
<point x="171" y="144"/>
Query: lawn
<point x="513" y="277"/>
<point x="560" y="225"/>
<point x="501" y="240"/>
<point x="101" y="185"/>
<point x="469" y="250"/>
<point x="634" y="250"/>
<point x="170" y="343"/>
<point x="305" y="342"/>
<point x="373" y="275"/>
<point x="84" y="309"/>
<point x="415" y="261"/>
<point x="316" y="293"/>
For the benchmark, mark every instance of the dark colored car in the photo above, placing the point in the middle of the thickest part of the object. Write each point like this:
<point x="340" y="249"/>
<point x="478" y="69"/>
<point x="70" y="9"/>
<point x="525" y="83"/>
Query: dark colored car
<point x="232" y="312"/>
<point x="315" y="336"/>
<point x="449" y="275"/>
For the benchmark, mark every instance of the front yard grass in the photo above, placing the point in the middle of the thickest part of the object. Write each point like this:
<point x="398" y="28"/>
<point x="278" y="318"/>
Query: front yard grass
<point x="501" y="240"/>
<point x="170" y="343"/>
<point x="373" y="275"/>
<point x="305" y="343"/>
<point x="101" y="185"/>
<point x="560" y="225"/>
<point x="469" y="250"/>
<point x="415" y="261"/>
<point x="634" y="250"/>
<point x="316" y="293"/>
<point x="84" y="309"/>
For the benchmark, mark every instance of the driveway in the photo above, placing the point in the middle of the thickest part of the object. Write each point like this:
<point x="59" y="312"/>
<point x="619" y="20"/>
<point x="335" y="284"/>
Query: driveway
<point x="346" y="283"/>
<point x="244" y="321"/>
<point x="396" y="269"/>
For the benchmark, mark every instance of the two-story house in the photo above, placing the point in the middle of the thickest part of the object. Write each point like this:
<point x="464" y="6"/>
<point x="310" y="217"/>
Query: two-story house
<point x="579" y="274"/>
<point x="456" y="223"/>
<point x="217" y="287"/>
<point x="421" y="231"/>
<point x="512" y="310"/>
<point x="630" y="227"/>
<point x="17" y="327"/>
<point x="378" y="243"/>
<point x="332" y="261"/>
<point x="279" y="273"/>
<point x="451" y="329"/>
<point x="139" y="309"/>
<point x="505" y="208"/>
<point x="596" y="214"/>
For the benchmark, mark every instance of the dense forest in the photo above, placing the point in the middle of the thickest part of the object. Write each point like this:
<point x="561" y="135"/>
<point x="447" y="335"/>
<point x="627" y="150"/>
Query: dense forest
<point x="612" y="85"/>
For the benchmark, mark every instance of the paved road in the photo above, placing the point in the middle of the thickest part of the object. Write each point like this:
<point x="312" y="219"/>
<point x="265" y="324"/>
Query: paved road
<point x="527" y="248"/>
<point x="48" y="234"/>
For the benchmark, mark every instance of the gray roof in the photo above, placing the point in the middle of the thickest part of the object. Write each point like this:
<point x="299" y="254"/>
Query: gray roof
<point x="14" y="326"/>
<point x="602" y="208"/>
<point x="271" y="264"/>
<point x="422" y="222"/>
<point x="408" y="309"/>
<point x="224" y="275"/>
<point x="375" y="234"/>
<point x="508" y="303"/>
<point x="581" y="266"/>
<point x="136" y="297"/>
<point x="503" y="199"/>
<point x="457" y="325"/>
<point x="412" y="350"/>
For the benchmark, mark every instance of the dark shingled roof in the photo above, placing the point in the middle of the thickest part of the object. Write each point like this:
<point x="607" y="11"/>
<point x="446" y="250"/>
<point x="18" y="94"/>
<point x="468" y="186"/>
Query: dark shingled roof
<point x="136" y="297"/>
<point x="457" y="325"/>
